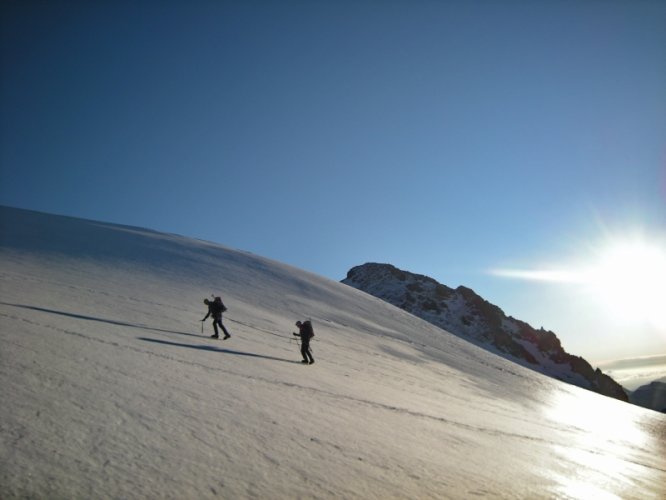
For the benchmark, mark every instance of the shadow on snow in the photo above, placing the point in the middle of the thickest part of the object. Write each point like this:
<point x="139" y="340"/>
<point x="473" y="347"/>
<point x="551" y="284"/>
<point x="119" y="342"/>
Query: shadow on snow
<point x="216" y="349"/>
<point x="100" y="320"/>
<point x="143" y="327"/>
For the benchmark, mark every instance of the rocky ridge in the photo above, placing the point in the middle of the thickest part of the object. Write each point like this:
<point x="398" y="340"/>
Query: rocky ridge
<point x="465" y="314"/>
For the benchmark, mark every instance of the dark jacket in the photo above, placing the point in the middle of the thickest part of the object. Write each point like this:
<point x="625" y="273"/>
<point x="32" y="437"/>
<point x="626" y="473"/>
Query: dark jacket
<point x="306" y="332"/>
<point x="215" y="309"/>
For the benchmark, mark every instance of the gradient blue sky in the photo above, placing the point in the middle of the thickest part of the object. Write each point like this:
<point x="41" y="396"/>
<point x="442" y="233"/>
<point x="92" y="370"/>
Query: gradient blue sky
<point x="447" y="138"/>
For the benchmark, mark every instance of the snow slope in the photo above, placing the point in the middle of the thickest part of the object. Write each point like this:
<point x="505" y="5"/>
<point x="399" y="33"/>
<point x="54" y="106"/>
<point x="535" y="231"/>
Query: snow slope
<point x="110" y="390"/>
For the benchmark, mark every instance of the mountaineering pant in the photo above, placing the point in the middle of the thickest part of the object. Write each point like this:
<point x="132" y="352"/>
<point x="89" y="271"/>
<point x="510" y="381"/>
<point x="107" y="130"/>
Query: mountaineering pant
<point x="305" y="351"/>
<point x="218" y="321"/>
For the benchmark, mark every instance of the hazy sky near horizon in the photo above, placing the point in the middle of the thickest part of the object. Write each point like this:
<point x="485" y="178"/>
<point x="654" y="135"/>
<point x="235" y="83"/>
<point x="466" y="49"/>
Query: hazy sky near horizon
<point x="480" y="143"/>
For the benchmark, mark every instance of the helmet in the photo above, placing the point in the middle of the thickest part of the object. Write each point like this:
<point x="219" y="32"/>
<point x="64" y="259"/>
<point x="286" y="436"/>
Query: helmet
<point x="298" y="323"/>
<point x="206" y="301"/>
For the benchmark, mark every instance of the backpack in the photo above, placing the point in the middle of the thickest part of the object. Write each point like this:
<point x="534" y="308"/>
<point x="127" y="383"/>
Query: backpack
<point x="308" y="329"/>
<point x="223" y="308"/>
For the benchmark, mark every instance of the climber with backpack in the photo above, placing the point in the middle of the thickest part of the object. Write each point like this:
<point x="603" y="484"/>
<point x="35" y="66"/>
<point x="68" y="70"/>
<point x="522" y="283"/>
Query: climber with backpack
<point x="305" y="332"/>
<point x="215" y="309"/>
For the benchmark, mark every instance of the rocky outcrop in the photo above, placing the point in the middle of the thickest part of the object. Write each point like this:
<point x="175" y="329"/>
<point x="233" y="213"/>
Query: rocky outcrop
<point x="464" y="313"/>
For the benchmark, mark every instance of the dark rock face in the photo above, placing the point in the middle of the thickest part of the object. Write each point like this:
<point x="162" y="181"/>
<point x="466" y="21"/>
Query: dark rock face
<point x="467" y="315"/>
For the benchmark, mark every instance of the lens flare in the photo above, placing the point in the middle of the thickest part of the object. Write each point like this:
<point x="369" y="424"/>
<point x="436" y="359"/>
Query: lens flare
<point x="630" y="280"/>
<point x="624" y="276"/>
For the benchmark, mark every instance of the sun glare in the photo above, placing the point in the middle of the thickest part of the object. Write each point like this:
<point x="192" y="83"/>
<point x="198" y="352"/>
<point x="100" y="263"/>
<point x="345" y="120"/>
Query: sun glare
<point x="625" y="277"/>
<point x="603" y="436"/>
<point x="630" y="280"/>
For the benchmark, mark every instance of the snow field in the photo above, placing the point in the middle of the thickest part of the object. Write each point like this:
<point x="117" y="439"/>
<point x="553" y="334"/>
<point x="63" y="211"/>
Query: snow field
<point x="110" y="390"/>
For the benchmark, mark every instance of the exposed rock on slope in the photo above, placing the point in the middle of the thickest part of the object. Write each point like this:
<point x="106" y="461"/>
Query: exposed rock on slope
<point x="465" y="314"/>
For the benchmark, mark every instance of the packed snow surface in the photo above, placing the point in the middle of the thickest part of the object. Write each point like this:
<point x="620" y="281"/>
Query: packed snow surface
<point x="111" y="390"/>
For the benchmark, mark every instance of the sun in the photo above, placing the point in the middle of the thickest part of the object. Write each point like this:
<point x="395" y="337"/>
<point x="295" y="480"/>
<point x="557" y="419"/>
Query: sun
<point x="624" y="276"/>
<point x="629" y="280"/>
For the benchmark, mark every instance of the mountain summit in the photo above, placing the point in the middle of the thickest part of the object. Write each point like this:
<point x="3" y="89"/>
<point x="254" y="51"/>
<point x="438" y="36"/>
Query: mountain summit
<point x="465" y="314"/>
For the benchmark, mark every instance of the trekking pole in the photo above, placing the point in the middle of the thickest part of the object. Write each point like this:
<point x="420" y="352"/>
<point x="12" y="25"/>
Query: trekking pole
<point x="202" y="327"/>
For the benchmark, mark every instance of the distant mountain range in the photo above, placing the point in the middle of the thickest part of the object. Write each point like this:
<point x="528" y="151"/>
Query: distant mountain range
<point x="652" y="396"/>
<point x="465" y="314"/>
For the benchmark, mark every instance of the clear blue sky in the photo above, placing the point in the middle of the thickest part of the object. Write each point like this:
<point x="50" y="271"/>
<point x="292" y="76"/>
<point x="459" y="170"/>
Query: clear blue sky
<point x="446" y="138"/>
